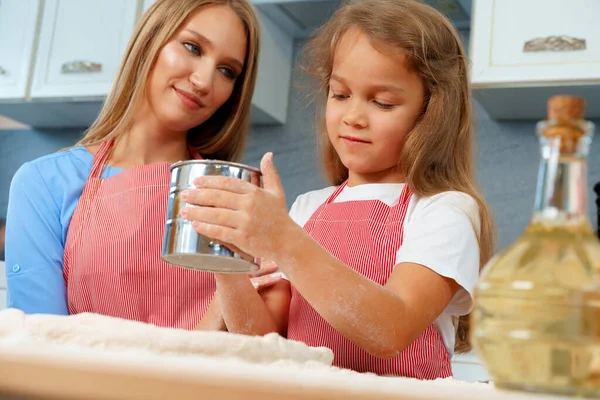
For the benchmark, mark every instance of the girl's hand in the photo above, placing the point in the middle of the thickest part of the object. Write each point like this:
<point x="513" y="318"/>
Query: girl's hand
<point x="237" y="213"/>
<point x="266" y="276"/>
<point x="266" y="267"/>
<point x="265" y="281"/>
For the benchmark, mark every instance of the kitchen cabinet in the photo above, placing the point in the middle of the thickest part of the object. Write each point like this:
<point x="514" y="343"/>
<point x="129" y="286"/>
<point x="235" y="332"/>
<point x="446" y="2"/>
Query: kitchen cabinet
<point x="523" y="52"/>
<point x="300" y="18"/>
<point x="18" y="20"/>
<point x="79" y="49"/>
<point x="64" y="82"/>
<point x="270" y="101"/>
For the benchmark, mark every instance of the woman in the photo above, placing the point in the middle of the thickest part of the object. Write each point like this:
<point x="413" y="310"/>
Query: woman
<point x="85" y="225"/>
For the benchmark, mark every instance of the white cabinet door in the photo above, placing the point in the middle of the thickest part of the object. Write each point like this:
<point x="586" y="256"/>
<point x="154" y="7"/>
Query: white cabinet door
<point x="270" y="100"/>
<point x="17" y="34"/>
<point x="80" y="47"/>
<point x="501" y="28"/>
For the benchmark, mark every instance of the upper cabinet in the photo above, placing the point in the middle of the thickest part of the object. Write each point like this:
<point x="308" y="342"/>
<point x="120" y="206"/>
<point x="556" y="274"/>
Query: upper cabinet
<point x="523" y="52"/>
<point x="59" y="59"/>
<point x="81" y="43"/>
<point x="18" y="20"/>
<point x="271" y="94"/>
<point x="298" y="19"/>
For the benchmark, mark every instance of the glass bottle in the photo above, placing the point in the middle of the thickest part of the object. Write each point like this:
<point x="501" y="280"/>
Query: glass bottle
<point x="536" y="322"/>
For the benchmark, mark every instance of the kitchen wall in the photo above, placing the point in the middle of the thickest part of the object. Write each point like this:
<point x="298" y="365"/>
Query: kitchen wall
<point x="507" y="159"/>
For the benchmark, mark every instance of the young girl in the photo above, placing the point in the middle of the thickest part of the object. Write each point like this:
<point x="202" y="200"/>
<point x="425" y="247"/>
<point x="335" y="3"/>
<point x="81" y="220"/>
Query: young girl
<point x="387" y="258"/>
<point x="85" y="225"/>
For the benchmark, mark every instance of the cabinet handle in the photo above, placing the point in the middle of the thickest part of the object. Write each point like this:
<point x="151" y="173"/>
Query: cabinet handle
<point x="554" y="43"/>
<point x="78" y="67"/>
<point x="3" y="71"/>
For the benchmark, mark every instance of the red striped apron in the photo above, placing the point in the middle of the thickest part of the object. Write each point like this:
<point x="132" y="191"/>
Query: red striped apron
<point x="365" y="235"/>
<point x="112" y="263"/>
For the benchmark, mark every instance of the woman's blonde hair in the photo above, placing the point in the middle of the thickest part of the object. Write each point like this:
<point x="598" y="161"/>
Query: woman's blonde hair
<point x="223" y="135"/>
<point x="438" y="154"/>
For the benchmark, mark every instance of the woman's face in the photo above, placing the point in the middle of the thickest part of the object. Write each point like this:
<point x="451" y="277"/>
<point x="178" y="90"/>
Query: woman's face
<point x="195" y="72"/>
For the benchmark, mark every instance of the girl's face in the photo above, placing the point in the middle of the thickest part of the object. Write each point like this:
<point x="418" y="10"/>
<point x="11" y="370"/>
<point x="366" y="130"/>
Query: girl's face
<point x="374" y="102"/>
<point x="195" y="72"/>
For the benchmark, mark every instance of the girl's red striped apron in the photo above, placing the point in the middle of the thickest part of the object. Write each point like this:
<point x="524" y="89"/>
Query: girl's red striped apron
<point x="365" y="235"/>
<point x="112" y="263"/>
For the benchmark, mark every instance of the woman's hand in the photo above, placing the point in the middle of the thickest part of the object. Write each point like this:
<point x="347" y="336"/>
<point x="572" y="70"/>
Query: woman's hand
<point x="237" y="213"/>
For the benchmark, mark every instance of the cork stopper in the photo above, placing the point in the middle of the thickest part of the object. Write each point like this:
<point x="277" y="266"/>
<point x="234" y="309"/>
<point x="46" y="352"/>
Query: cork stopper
<point x="564" y="113"/>
<point x="563" y="107"/>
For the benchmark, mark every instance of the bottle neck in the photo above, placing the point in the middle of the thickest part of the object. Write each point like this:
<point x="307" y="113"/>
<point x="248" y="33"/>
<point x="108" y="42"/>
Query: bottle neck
<point x="561" y="196"/>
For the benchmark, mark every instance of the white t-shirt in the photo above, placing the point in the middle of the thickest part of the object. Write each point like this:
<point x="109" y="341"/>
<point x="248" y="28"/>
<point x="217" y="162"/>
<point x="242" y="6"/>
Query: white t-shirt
<point x="440" y="232"/>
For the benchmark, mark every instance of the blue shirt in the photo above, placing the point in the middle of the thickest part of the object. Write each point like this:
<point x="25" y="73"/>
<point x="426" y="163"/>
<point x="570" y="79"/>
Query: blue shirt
<point x="43" y="196"/>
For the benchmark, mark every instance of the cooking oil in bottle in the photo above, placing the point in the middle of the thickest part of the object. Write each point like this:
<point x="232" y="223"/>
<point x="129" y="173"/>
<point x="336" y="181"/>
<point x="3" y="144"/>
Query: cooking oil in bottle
<point x="536" y="322"/>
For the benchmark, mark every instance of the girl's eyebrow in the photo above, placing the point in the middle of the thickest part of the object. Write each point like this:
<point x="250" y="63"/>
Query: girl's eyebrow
<point x="390" y="89"/>
<point x="380" y="88"/>
<point x="336" y="78"/>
